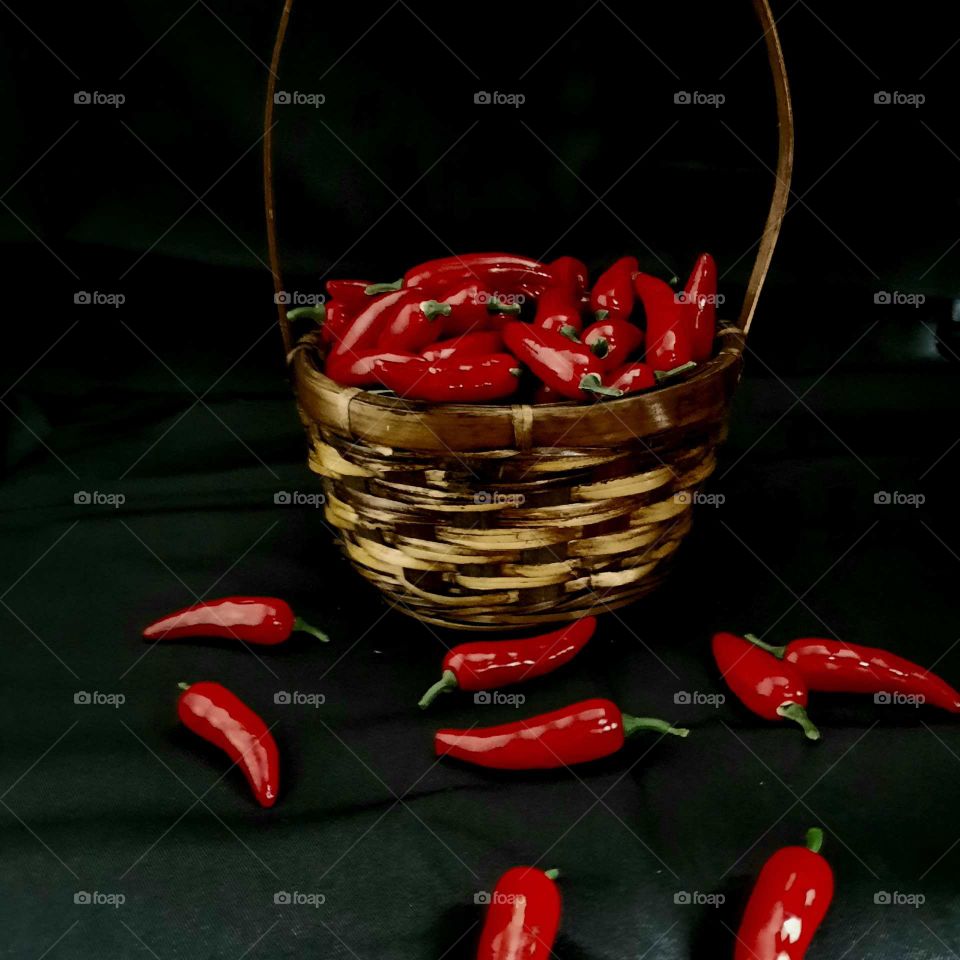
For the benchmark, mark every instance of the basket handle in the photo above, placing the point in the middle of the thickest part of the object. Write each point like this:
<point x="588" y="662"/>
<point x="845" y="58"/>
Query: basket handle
<point x="771" y="229"/>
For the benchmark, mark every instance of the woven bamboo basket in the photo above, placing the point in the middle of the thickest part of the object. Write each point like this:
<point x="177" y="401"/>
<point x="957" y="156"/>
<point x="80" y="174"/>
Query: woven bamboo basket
<point x="478" y="517"/>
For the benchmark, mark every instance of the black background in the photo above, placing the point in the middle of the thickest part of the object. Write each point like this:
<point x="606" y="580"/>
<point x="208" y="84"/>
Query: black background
<point x="177" y="400"/>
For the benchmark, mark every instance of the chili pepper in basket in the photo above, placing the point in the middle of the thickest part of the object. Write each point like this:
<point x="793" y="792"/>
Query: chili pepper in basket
<point x="559" y="309"/>
<point x="569" y="273"/>
<point x="364" y="331"/>
<point x="413" y="326"/>
<point x="489" y="664"/>
<point x="260" y="620"/>
<point x="338" y="315"/>
<point x="471" y="307"/>
<point x="211" y="711"/>
<point x="351" y="293"/>
<point x="613" y="341"/>
<point x="569" y="368"/>
<point x="466" y="345"/>
<point x="613" y="294"/>
<point x="633" y="378"/>
<point x="700" y="307"/>
<point x="453" y="380"/>
<point x="788" y="903"/>
<point x="583" y="731"/>
<point x="668" y="339"/>
<point x="766" y="686"/>
<point x="361" y="371"/>
<point x="523" y="916"/>
<point x="836" y="667"/>
<point x="507" y="271"/>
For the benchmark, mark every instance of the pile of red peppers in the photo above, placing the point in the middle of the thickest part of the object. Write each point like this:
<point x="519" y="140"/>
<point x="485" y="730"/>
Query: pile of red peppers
<point x="463" y="329"/>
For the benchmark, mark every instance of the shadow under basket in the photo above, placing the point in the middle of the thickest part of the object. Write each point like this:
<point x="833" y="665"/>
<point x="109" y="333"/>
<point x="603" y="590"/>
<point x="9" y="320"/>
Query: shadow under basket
<point x="479" y="517"/>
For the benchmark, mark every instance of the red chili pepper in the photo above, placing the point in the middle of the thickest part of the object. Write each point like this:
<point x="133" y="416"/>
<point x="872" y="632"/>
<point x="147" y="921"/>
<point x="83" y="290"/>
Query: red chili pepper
<point x="612" y="296"/>
<point x="454" y="380"/>
<point x="508" y="272"/>
<point x="466" y="345"/>
<point x="489" y="664"/>
<point x="836" y="667"/>
<point x="413" y="326"/>
<point x="700" y="307"/>
<point x="220" y="717"/>
<point x="771" y="689"/>
<point x="569" y="273"/>
<point x="569" y="368"/>
<point x="362" y="334"/>
<point x="361" y="371"/>
<point x="583" y="731"/>
<point x="471" y="307"/>
<point x="668" y="339"/>
<point x="557" y="308"/>
<point x="352" y="293"/>
<point x="613" y="341"/>
<point x="788" y="903"/>
<point x="337" y="317"/>
<point x="262" y="620"/>
<point x="633" y="378"/>
<point x="523" y="916"/>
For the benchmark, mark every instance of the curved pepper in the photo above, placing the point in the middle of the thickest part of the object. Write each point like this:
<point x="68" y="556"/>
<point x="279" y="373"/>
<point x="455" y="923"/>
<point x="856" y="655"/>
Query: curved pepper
<point x="507" y="271"/>
<point x="836" y="667"/>
<point x="471" y="307"/>
<point x="668" y="339"/>
<point x="211" y="711"/>
<point x="769" y="688"/>
<point x="613" y="341"/>
<point x="700" y="307"/>
<point x="261" y="620"/>
<point x="362" y="334"/>
<point x="523" y="916"/>
<point x="559" y="308"/>
<point x="788" y="903"/>
<point x="569" y="273"/>
<point x="413" y="326"/>
<point x="578" y="733"/>
<point x="453" y="380"/>
<point x="361" y="371"/>
<point x="613" y="293"/>
<point x="489" y="664"/>
<point x="633" y="378"/>
<point x="466" y="345"/>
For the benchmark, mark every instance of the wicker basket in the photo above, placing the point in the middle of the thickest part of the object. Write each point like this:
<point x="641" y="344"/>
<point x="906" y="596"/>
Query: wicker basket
<point x="476" y="517"/>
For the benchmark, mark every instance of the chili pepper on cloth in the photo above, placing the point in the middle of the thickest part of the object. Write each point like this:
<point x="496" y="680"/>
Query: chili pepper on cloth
<point x="211" y="711"/>
<point x="836" y="667"/>
<point x="507" y="271"/>
<point x="453" y="380"/>
<point x="471" y="307"/>
<point x="569" y="273"/>
<point x="568" y="368"/>
<point x="558" y="308"/>
<point x="668" y="338"/>
<point x="583" y="731"/>
<point x="362" y="334"/>
<point x="465" y="345"/>
<point x="523" y="916"/>
<point x="413" y="326"/>
<point x="613" y="341"/>
<point x="633" y="378"/>
<point x="788" y="903"/>
<point x="261" y="620"/>
<point x="700" y="307"/>
<point x="613" y="293"/>
<point x="488" y="664"/>
<point x="768" y="687"/>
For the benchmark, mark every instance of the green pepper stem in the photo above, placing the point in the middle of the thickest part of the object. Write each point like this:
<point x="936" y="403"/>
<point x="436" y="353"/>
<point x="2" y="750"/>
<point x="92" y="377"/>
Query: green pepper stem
<point x="778" y="652"/>
<point x="318" y="313"/>
<point x="552" y="873"/>
<point x="632" y="724"/>
<point x="445" y="684"/>
<point x="183" y="686"/>
<point x="600" y="347"/>
<point x="814" y="839"/>
<point x="569" y="331"/>
<point x="371" y="290"/>
<point x="305" y="627"/>
<point x="796" y="713"/>
<point x="591" y="383"/>
<point x="601" y="315"/>
<point x="496" y="305"/>
<point x="661" y="375"/>
<point x="433" y="308"/>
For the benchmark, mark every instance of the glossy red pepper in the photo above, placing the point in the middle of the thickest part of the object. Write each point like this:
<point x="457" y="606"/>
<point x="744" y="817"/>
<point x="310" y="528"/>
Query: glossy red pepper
<point x="471" y="307"/>
<point x="351" y="293"/>
<point x="415" y="324"/>
<point x="361" y="371"/>
<point x="788" y="903"/>
<point x="578" y="733"/>
<point x="632" y="378"/>
<point x="700" y="307"/>
<point x="836" y="667"/>
<point x="338" y="315"/>
<point x="453" y="380"/>
<point x="489" y="664"/>
<point x="613" y="293"/>
<point x="466" y="345"/>
<point x="613" y="341"/>
<point x="507" y="272"/>
<point x="558" y="308"/>
<point x="569" y="368"/>
<point x="261" y="620"/>
<point x="771" y="689"/>
<point x="523" y="916"/>
<point x="362" y="334"/>
<point x="569" y="273"/>
<point x="668" y="339"/>
<point x="211" y="711"/>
